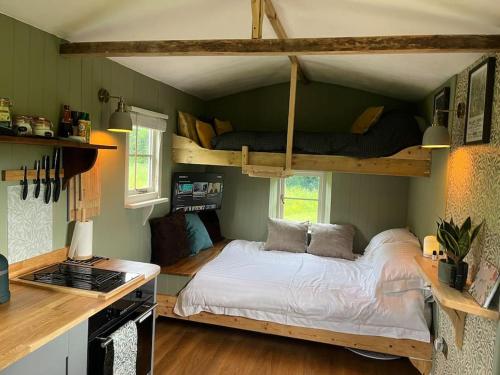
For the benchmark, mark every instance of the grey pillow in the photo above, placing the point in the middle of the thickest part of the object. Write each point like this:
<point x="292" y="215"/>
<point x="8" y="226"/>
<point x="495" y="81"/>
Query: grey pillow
<point x="332" y="240"/>
<point x="284" y="235"/>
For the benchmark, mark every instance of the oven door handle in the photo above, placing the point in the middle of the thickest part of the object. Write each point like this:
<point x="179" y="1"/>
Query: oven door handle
<point x="106" y="340"/>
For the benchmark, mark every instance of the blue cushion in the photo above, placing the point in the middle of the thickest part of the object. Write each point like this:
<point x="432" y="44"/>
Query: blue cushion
<point x="197" y="234"/>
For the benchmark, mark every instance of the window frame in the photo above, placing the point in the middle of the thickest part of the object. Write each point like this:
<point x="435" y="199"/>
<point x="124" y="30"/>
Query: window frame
<point x="154" y="191"/>
<point x="277" y="190"/>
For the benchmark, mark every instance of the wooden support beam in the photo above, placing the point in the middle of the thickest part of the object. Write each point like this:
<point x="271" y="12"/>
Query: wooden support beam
<point x="291" y="118"/>
<point x="395" y="44"/>
<point x="278" y="28"/>
<point x="257" y="14"/>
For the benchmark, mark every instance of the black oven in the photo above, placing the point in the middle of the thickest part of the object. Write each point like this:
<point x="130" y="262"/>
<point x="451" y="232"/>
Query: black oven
<point x="138" y="306"/>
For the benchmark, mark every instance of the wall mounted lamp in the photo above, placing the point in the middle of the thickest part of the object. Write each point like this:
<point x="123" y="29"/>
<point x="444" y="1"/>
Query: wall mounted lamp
<point x="436" y="135"/>
<point x="120" y="121"/>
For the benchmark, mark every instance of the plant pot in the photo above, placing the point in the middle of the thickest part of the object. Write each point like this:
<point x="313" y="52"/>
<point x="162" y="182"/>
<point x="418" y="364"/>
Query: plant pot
<point x="446" y="271"/>
<point x="462" y="270"/>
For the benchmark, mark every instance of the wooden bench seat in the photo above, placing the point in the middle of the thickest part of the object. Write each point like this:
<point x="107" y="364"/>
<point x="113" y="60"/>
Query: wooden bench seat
<point x="191" y="265"/>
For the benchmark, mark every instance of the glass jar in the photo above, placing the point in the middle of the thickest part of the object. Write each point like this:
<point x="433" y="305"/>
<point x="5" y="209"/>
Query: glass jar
<point x="5" y="119"/>
<point x="42" y="127"/>
<point x="22" y="125"/>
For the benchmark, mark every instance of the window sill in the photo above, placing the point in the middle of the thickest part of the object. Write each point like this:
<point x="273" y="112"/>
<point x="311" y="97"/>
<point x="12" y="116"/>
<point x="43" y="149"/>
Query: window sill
<point x="148" y="203"/>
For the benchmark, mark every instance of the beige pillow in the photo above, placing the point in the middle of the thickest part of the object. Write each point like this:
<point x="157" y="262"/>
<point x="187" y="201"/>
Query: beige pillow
<point x="187" y="126"/>
<point x="284" y="235"/>
<point x="367" y="119"/>
<point x="332" y="240"/>
<point x="222" y="127"/>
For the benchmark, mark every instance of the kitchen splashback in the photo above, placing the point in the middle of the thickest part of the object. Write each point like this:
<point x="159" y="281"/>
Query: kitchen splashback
<point x="29" y="225"/>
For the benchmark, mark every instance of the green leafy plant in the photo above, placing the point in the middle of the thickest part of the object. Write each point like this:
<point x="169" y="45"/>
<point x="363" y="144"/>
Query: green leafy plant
<point x="455" y="239"/>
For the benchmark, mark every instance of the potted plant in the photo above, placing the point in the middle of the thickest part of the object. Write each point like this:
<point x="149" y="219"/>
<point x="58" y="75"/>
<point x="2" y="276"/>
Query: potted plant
<point x="456" y="241"/>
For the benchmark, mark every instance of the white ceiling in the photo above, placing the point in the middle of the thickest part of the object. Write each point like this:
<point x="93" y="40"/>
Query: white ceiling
<point x="408" y="77"/>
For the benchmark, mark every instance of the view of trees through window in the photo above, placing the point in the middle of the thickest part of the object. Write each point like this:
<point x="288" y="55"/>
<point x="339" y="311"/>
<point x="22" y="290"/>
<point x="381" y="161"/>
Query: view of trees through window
<point x="301" y="198"/>
<point x="140" y="159"/>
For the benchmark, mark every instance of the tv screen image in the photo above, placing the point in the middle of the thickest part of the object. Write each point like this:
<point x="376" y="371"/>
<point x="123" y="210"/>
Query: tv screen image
<point x="197" y="191"/>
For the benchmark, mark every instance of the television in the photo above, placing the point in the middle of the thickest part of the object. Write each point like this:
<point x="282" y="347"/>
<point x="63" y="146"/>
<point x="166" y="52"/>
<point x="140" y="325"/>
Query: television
<point x="197" y="191"/>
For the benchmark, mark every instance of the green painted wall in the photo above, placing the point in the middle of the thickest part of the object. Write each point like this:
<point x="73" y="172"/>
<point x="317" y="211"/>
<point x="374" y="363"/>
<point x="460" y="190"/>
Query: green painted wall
<point x="39" y="81"/>
<point x="427" y="196"/>
<point x="319" y="107"/>
<point x="371" y="203"/>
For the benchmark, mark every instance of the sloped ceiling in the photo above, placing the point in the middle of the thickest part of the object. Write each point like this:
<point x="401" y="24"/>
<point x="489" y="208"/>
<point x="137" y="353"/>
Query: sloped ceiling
<point x="408" y="77"/>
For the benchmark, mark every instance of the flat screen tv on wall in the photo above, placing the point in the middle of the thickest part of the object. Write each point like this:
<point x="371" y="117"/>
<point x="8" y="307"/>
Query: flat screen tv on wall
<point x="197" y="191"/>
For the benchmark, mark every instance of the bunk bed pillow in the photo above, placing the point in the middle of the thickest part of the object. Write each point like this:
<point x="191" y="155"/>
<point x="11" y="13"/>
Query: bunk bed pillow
<point x="284" y="235"/>
<point x="365" y="120"/>
<point x="205" y="133"/>
<point x="332" y="240"/>
<point x="186" y="126"/>
<point x="197" y="235"/>
<point x="169" y="242"/>
<point x="222" y="127"/>
<point x="396" y="235"/>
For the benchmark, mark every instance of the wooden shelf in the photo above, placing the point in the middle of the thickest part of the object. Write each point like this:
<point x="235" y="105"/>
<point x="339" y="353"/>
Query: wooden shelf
<point x="52" y="142"/>
<point x="77" y="157"/>
<point x="455" y="303"/>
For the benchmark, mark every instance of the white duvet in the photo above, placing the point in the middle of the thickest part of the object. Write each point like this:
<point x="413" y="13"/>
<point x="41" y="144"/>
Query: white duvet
<point x="302" y="290"/>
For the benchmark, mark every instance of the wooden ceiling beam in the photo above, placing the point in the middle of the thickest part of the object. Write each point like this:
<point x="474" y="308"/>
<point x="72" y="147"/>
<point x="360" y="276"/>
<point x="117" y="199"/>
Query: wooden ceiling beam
<point x="284" y="47"/>
<point x="278" y="28"/>
<point x="257" y="17"/>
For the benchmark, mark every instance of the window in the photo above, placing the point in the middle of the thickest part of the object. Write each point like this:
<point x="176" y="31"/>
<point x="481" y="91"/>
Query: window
<point x="305" y="196"/>
<point x="143" y="158"/>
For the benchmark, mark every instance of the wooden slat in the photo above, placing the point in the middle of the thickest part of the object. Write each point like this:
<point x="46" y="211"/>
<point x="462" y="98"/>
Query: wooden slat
<point x="191" y="265"/>
<point x="278" y="28"/>
<point x="291" y="117"/>
<point x="257" y="15"/>
<point x="449" y="297"/>
<point x="395" y="44"/>
<point x="18" y="174"/>
<point x="402" y="347"/>
<point x="40" y="141"/>
<point x="412" y="161"/>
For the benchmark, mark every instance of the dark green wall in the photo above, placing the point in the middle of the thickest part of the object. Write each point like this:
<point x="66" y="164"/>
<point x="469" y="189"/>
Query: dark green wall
<point x="319" y="107"/>
<point x="38" y="81"/>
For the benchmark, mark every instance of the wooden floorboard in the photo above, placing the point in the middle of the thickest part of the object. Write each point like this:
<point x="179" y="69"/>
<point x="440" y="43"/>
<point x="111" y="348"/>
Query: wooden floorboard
<point x="191" y="348"/>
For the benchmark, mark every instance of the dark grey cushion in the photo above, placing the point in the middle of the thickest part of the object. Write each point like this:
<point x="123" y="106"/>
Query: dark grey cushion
<point x="332" y="240"/>
<point x="284" y="235"/>
<point x="256" y="141"/>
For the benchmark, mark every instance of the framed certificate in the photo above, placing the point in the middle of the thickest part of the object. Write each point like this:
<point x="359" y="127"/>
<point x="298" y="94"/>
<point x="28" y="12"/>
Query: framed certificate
<point x="479" y="102"/>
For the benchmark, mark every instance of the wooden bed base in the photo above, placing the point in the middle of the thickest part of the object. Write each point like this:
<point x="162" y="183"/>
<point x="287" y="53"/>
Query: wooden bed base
<point x="419" y="353"/>
<point x="412" y="161"/>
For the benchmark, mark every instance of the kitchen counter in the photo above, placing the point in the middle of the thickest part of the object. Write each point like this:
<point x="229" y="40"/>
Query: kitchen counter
<point x="35" y="315"/>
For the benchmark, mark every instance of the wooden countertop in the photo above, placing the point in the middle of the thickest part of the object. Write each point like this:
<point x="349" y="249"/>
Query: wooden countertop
<point x="35" y="316"/>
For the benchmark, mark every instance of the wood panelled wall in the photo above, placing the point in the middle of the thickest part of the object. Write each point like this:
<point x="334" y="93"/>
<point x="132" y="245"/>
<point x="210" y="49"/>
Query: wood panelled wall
<point x="38" y="81"/>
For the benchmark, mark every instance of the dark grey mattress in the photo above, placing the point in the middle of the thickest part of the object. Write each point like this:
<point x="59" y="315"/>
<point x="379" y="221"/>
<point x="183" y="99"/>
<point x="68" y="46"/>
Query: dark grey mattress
<point x="394" y="132"/>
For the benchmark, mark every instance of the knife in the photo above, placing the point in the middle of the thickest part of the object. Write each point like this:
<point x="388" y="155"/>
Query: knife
<point x="57" y="179"/>
<point x="24" y="184"/>
<point x="37" y="180"/>
<point x="48" y="185"/>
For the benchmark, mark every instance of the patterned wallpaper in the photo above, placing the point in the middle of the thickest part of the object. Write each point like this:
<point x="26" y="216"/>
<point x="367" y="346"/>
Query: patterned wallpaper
<point x="474" y="189"/>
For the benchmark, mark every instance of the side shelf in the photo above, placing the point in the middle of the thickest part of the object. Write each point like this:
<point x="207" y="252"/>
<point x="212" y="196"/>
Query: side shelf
<point x="412" y="161"/>
<point x="456" y="304"/>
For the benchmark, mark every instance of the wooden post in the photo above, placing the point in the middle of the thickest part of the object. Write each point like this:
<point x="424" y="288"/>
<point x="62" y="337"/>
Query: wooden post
<point x="257" y="13"/>
<point x="291" y="118"/>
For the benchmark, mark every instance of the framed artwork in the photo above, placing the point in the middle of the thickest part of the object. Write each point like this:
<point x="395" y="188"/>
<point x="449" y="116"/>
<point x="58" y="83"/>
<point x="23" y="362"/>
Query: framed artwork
<point x="485" y="284"/>
<point x="479" y="103"/>
<point x="442" y="101"/>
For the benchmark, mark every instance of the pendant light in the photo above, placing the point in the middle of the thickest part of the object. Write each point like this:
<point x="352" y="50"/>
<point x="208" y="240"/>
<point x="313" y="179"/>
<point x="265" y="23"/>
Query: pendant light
<point x="120" y="121"/>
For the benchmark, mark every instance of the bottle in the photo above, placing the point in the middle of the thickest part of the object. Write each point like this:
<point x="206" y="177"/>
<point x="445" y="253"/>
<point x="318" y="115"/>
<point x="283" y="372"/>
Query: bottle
<point x="82" y="126"/>
<point x="88" y="129"/>
<point x="434" y="255"/>
<point x="5" y="118"/>
<point x="65" y="127"/>
<point x="4" y="280"/>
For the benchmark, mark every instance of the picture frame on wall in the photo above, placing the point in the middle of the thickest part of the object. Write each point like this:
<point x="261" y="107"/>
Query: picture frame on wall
<point x="442" y="101"/>
<point x="480" y="102"/>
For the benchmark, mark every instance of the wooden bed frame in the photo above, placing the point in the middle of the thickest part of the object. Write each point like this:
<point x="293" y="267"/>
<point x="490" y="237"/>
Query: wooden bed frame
<point x="413" y="161"/>
<point x="419" y="353"/>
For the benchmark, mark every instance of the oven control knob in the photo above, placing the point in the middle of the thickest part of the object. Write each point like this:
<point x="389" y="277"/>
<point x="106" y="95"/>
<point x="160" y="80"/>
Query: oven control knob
<point x="138" y="294"/>
<point x="109" y="314"/>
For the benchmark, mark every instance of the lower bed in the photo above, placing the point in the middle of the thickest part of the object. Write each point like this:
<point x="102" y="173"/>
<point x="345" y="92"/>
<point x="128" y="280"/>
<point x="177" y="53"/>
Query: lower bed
<point x="302" y="290"/>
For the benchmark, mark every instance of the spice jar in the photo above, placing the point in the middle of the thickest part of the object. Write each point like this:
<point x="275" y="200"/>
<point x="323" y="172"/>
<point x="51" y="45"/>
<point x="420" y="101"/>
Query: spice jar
<point x="42" y="127"/>
<point x="5" y="119"/>
<point x="22" y="125"/>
